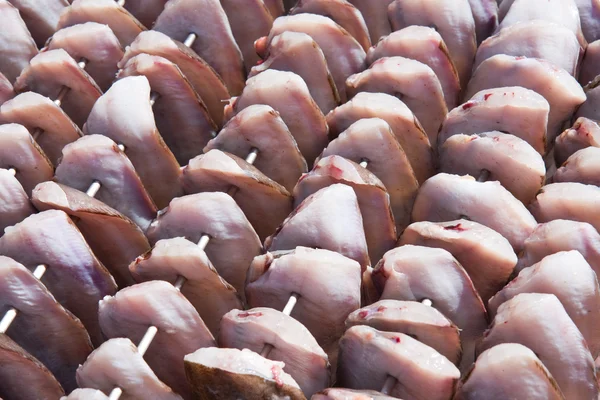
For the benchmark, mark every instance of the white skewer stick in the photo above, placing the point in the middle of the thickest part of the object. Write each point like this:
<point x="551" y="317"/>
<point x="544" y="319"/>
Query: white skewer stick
<point x="287" y="310"/>
<point x="146" y="341"/>
<point x="11" y="314"/>
<point x="289" y="307"/>
<point x="40" y="270"/>
<point x="390" y="382"/>
<point x="59" y="99"/>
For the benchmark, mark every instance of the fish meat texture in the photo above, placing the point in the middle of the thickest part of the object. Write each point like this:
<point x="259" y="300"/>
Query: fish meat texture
<point x="590" y="108"/>
<point x="145" y="11"/>
<point x="41" y="17"/>
<point x="372" y="139"/>
<point x="125" y="115"/>
<point x="18" y="150"/>
<point x="180" y="329"/>
<point x="419" y="321"/>
<point x="350" y="394"/>
<point x="584" y="133"/>
<point x="508" y="370"/>
<point x="561" y="235"/>
<point x="75" y="276"/>
<point x="508" y="159"/>
<point x="344" y="55"/>
<point x="287" y="94"/>
<point x="485" y="15"/>
<point x="342" y="12"/>
<point x="589" y="11"/>
<point x="215" y="42"/>
<point x="115" y="239"/>
<point x="580" y="167"/>
<point x="572" y="280"/>
<point x="452" y="19"/>
<point x="47" y="74"/>
<point x="410" y="81"/>
<point x="375" y="14"/>
<point x="210" y="294"/>
<point x="249" y="21"/>
<point x="401" y="120"/>
<point x="117" y="363"/>
<point x="424" y="44"/>
<point x="562" y="91"/>
<point x="590" y="65"/>
<point x="261" y="127"/>
<point x="567" y="200"/>
<point x="233" y="242"/>
<point x="291" y="344"/>
<point x="181" y="116"/>
<point x="373" y="199"/>
<point x="106" y="12"/>
<point x="486" y="255"/>
<point x="97" y="158"/>
<point x="16" y="44"/>
<point x="556" y="341"/>
<point x="85" y="394"/>
<point x="17" y="364"/>
<point x="42" y="323"/>
<point x="535" y="39"/>
<point x="447" y="197"/>
<point x="369" y="356"/>
<point x="328" y="219"/>
<point x="207" y="83"/>
<point x="265" y="202"/>
<point x="414" y="273"/>
<point x="328" y="286"/>
<point x="514" y="109"/>
<point x="14" y="202"/>
<point x="215" y="373"/>
<point x="41" y="116"/>
<point x="94" y="42"/>
<point x="563" y="12"/>
<point x="297" y="52"/>
<point x="7" y="91"/>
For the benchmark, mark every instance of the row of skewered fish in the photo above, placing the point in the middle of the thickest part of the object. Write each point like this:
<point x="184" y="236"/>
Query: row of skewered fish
<point x="265" y="199"/>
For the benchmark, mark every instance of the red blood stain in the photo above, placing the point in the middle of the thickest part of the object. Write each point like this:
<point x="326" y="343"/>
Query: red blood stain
<point x="381" y="309"/>
<point x="396" y="339"/>
<point x="250" y="314"/>
<point x="468" y="105"/>
<point x="487" y="96"/>
<point x="457" y="227"/>
<point x="363" y="314"/>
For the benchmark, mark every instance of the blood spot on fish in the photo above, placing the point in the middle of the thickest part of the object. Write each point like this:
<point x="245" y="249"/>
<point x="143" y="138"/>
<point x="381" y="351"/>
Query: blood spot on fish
<point x="396" y="339"/>
<point x="496" y="138"/>
<point x="247" y="314"/>
<point x="520" y="58"/>
<point x="381" y="308"/>
<point x="457" y="227"/>
<point x="363" y="314"/>
<point x="277" y="375"/>
<point x="487" y="96"/>
<point x="260" y="62"/>
<point x="468" y="105"/>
